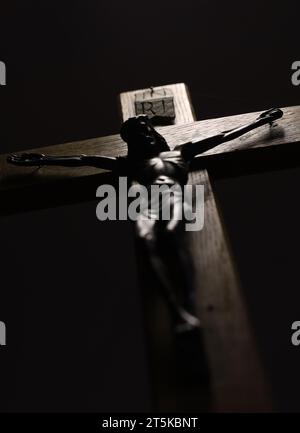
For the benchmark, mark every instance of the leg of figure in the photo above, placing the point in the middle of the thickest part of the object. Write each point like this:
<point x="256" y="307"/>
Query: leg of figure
<point x="168" y="256"/>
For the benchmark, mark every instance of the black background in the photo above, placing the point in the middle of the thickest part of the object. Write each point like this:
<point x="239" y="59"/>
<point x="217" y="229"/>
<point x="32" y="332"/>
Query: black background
<point x="68" y="282"/>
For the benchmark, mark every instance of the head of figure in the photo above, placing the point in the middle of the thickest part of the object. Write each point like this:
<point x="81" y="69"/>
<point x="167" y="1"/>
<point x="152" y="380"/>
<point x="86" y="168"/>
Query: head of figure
<point x="142" y="140"/>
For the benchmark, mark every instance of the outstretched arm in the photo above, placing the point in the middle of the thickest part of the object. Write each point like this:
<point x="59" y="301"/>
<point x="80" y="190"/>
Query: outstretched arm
<point x="39" y="159"/>
<point x="196" y="147"/>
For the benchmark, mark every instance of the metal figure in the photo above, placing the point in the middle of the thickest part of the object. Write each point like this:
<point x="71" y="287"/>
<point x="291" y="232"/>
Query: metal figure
<point x="150" y="161"/>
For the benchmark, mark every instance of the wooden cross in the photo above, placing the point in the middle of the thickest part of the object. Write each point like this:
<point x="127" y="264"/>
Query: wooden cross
<point x="237" y="380"/>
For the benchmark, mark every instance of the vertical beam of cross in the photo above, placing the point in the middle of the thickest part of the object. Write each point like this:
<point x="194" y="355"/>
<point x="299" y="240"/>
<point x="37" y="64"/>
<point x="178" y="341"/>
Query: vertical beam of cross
<point x="237" y="379"/>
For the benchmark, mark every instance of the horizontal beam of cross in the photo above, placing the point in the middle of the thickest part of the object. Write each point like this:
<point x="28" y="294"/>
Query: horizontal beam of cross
<point x="286" y="133"/>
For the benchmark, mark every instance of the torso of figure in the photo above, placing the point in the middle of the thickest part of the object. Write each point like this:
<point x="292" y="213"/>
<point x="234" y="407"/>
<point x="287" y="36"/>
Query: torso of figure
<point x="165" y="168"/>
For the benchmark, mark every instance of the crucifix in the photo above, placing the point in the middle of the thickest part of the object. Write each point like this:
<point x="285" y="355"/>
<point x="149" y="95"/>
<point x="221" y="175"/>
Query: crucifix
<point x="236" y="379"/>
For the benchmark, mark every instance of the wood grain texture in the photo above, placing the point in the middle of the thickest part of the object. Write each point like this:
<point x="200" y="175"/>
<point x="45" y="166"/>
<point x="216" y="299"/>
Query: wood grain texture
<point x="237" y="377"/>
